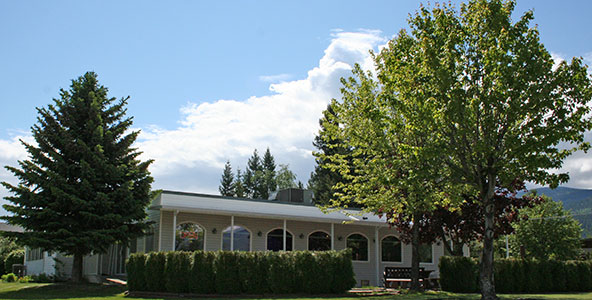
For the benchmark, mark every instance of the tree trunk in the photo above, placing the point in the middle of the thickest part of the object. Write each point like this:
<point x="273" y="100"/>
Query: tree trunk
<point x="77" y="268"/>
<point x="415" y="254"/>
<point x="486" y="275"/>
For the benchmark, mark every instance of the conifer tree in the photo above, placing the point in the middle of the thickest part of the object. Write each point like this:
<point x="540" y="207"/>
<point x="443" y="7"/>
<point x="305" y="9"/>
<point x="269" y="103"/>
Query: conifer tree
<point x="239" y="185"/>
<point x="82" y="187"/>
<point x="226" y="187"/>
<point x="270" y="183"/>
<point x="254" y="177"/>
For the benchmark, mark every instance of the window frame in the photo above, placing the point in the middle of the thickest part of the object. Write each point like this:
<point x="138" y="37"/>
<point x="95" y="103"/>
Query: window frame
<point x="367" y="246"/>
<point x="320" y="230"/>
<point x="235" y="225"/>
<point x="282" y="229"/>
<point x="205" y="232"/>
<point x="382" y="248"/>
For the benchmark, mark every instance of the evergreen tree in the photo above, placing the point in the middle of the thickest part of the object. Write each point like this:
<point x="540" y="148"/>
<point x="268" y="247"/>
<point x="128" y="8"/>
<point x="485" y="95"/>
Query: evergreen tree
<point x="323" y="179"/>
<point x="226" y="187"/>
<point x="82" y="188"/>
<point x="238" y="185"/>
<point x="270" y="184"/>
<point x="254" y="177"/>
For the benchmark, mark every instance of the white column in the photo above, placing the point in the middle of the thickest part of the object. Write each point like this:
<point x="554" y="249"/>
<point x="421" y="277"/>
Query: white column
<point x="160" y="232"/>
<point x="332" y="236"/>
<point x="284" y="237"/>
<point x="376" y="255"/>
<point x="175" y="227"/>
<point x="231" y="233"/>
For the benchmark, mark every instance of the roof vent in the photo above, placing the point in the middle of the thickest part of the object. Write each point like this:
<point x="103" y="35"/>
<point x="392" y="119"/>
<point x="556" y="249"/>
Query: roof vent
<point x="294" y="195"/>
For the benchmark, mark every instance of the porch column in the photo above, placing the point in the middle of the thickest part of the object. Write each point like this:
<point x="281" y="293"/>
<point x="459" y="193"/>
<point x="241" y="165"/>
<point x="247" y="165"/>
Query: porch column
<point x="284" y="237"/>
<point x="160" y="232"/>
<point x="175" y="228"/>
<point x="376" y="255"/>
<point x="332" y="236"/>
<point x="231" y="233"/>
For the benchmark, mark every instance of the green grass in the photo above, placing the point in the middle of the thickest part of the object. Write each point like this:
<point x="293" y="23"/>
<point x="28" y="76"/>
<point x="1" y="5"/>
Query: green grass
<point x="102" y="292"/>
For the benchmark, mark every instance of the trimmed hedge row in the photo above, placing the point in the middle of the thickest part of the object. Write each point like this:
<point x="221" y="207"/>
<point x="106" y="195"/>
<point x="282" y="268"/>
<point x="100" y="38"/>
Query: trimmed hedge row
<point x="461" y="275"/>
<point x="234" y="272"/>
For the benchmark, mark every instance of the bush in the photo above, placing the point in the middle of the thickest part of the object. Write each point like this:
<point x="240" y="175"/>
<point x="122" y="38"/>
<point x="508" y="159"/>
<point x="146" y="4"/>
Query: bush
<point x="226" y="267"/>
<point x="518" y="275"/>
<point x="459" y="274"/>
<point x="233" y="272"/>
<point x="202" y="279"/>
<point x="135" y="267"/>
<point x="10" y="277"/>
<point x="44" y="278"/>
<point x="13" y="258"/>
<point x="178" y="272"/>
<point x="25" y="279"/>
<point x="154" y="272"/>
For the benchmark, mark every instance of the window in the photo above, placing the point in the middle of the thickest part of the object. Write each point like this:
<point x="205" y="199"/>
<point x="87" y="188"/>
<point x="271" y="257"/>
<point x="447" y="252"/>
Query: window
<point x="189" y="237"/>
<point x="242" y="239"/>
<point x="425" y="253"/>
<point x="319" y="241"/>
<point x="359" y="245"/>
<point x="34" y="254"/>
<point x="275" y="240"/>
<point x="391" y="249"/>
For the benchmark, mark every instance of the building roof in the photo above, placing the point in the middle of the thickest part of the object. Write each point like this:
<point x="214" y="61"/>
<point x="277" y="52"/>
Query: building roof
<point x="231" y="206"/>
<point x="8" y="227"/>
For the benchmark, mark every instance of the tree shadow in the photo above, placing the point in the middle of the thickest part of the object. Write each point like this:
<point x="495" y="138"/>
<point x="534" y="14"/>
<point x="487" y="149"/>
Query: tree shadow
<point x="64" y="291"/>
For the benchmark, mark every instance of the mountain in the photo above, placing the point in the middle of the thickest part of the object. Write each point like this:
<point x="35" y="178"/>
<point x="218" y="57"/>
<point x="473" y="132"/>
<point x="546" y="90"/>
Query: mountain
<point x="578" y="201"/>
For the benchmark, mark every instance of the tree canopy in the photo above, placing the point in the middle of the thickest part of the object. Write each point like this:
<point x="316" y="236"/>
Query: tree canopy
<point x="482" y="105"/>
<point x="547" y="232"/>
<point x="83" y="187"/>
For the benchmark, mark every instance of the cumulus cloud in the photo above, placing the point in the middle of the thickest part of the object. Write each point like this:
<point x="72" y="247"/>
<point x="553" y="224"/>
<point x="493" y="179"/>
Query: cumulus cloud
<point x="11" y="150"/>
<point x="191" y="157"/>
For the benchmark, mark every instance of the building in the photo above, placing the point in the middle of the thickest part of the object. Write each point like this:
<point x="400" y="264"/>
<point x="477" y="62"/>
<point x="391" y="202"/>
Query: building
<point x="190" y="221"/>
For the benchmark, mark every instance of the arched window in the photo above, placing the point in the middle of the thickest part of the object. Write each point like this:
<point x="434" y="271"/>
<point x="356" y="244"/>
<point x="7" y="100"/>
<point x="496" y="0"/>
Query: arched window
<point x="425" y="253"/>
<point x="359" y="245"/>
<point x="391" y="249"/>
<point x="189" y="237"/>
<point x="242" y="239"/>
<point x="275" y="240"/>
<point x="319" y="241"/>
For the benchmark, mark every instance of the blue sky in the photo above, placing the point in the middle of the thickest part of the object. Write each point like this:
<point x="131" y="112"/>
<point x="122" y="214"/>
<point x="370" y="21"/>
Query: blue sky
<point x="204" y="77"/>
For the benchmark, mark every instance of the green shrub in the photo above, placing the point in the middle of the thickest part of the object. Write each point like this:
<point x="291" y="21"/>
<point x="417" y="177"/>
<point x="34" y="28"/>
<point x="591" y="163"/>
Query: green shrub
<point x="136" y="268"/>
<point x="585" y="271"/>
<point x="459" y="274"/>
<point x="25" y="279"/>
<point x="572" y="276"/>
<point x="154" y="275"/>
<point x="202" y="279"/>
<point x="226" y="267"/>
<point x="503" y="275"/>
<point x="344" y="276"/>
<point x="44" y="278"/>
<point x="10" y="277"/>
<point x="559" y="276"/>
<point x="177" y="272"/>
<point x="281" y="272"/>
<point x="14" y="257"/>
<point x="253" y="270"/>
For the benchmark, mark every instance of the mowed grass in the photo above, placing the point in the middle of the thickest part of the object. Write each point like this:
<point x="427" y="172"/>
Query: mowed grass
<point x="105" y="292"/>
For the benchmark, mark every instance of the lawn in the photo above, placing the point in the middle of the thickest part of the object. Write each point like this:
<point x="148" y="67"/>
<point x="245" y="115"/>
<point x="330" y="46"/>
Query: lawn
<point x="103" y="292"/>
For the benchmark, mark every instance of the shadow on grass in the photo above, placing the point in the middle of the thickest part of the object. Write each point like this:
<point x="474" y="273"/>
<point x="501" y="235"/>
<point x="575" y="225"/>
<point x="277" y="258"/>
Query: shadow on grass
<point x="63" y="291"/>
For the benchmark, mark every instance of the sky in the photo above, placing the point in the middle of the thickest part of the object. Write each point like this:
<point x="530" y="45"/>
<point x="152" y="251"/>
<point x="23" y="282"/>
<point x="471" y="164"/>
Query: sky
<point x="210" y="81"/>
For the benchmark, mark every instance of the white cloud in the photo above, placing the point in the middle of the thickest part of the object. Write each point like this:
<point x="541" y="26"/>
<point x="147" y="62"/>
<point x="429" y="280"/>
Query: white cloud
<point x="191" y="157"/>
<point x="557" y="59"/>
<point x="275" y="78"/>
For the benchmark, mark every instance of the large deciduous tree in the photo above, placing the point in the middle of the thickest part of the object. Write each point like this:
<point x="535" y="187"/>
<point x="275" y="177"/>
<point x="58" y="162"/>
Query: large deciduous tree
<point x="83" y="187"/>
<point x="505" y="113"/>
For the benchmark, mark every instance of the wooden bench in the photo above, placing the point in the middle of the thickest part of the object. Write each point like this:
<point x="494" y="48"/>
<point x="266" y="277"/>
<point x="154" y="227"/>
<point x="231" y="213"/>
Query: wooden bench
<point x="402" y="276"/>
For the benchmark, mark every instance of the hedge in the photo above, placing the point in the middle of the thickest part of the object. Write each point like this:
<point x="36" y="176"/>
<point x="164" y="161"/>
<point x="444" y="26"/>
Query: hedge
<point x="234" y="272"/>
<point x="461" y="275"/>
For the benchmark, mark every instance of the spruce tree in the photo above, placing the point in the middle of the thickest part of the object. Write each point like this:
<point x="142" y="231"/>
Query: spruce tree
<point x="270" y="183"/>
<point x="82" y="187"/>
<point x="238" y="185"/>
<point x="254" y="177"/>
<point x="226" y="183"/>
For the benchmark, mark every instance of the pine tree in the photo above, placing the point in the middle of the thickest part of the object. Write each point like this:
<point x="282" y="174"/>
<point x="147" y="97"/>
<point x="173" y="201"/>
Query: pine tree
<point x="82" y="188"/>
<point x="226" y="187"/>
<point x="270" y="183"/>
